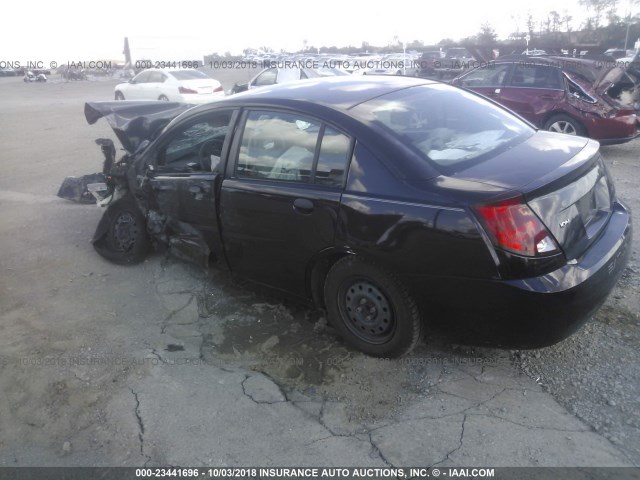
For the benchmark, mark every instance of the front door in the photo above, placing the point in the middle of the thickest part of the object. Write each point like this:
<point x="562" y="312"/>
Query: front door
<point x="187" y="172"/>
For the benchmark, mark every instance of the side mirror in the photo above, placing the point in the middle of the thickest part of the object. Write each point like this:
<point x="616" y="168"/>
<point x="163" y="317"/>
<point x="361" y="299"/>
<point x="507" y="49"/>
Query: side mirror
<point x="131" y="80"/>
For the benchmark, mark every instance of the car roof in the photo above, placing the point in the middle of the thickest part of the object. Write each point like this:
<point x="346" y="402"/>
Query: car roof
<point x="343" y="92"/>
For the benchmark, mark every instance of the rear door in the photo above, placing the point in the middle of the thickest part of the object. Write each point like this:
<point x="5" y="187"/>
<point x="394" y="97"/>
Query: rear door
<point x="532" y="91"/>
<point x="188" y="169"/>
<point x="280" y="198"/>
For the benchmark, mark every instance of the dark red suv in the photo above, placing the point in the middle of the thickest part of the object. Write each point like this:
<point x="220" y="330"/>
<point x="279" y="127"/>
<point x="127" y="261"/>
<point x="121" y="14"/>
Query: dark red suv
<point x="596" y="99"/>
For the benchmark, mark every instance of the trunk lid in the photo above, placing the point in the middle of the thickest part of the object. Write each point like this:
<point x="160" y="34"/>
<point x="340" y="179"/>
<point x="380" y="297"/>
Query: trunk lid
<point x="564" y="181"/>
<point x="204" y="86"/>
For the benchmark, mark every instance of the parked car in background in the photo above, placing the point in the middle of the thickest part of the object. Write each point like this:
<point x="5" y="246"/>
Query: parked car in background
<point x="455" y="61"/>
<point x="385" y="200"/>
<point x="616" y="53"/>
<point x="274" y="75"/>
<point x="429" y="61"/>
<point x="180" y="85"/>
<point x="534" y="52"/>
<point x="395" y="64"/>
<point x="572" y="96"/>
<point x="7" y="72"/>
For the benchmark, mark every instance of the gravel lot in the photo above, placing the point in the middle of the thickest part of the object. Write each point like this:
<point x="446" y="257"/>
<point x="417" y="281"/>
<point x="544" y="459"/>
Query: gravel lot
<point x="595" y="374"/>
<point x="61" y="301"/>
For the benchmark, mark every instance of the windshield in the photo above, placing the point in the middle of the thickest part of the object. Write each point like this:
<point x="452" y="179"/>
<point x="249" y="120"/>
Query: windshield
<point x="448" y="127"/>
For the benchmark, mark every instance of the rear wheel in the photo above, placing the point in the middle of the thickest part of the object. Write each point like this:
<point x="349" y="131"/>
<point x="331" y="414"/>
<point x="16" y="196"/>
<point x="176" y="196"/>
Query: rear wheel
<point x="163" y="98"/>
<point x="119" y="96"/>
<point x="564" y="124"/>
<point x="371" y="309"/>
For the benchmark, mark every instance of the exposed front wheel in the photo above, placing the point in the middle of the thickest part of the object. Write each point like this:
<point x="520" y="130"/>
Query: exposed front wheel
<point x="371" y="309"/>
<point x="119" y="96"/>
<point x="564" y="124"/>
<point x="121" y="235"/>
<point x="163" y="98"/>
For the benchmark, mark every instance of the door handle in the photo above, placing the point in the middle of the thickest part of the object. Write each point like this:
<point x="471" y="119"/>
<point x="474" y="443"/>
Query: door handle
<point x="196" y="189"/>
<point x="303" y="205"/>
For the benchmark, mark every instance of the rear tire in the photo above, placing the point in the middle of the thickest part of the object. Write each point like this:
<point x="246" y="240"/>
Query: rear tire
<point x="565" y="124"/>
<point x="371" y="309"/>
<point x="163" y="98"/>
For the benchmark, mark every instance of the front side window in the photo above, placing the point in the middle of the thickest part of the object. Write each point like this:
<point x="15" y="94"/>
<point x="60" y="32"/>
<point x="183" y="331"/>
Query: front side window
<point x="142" y="77"/>
<point x="492" y="75"/>
<point x="292" y="148"/>
<point x="197" y="146"/>
<point x="447" y="127"/>
<point x="268" y="77"/>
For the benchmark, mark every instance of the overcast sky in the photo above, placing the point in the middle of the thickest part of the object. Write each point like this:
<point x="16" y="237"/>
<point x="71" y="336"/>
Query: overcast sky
<point x="188" y="29"/>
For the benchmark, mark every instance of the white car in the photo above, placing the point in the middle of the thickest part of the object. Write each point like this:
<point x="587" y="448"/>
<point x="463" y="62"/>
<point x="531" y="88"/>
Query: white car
<point x="186" y="86"/>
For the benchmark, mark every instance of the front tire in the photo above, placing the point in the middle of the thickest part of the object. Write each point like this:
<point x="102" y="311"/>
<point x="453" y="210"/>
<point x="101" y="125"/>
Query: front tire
<point x="121" y="236"/>
<point x="371" y="309"/>
<point x="163" y="98"/>
<point x="119" y="96"/>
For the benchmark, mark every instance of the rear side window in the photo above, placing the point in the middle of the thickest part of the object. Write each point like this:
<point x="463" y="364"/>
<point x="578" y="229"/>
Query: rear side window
<point x="332" y="160"/>
<point x="188" y="74"/>
<point x="292" y="148"/>
<point x="535" y="76"/>
<point x="156" y="77"/>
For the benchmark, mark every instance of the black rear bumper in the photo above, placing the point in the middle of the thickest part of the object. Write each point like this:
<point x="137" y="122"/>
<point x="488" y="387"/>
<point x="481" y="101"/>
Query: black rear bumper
<point x="533" y="312"/>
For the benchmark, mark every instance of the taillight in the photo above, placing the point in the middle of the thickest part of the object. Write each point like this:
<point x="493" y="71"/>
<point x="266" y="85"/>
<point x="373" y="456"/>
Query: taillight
<point x="186" y="90"/>
<point x="219" y="89"/>
<point x="514" y="227"/>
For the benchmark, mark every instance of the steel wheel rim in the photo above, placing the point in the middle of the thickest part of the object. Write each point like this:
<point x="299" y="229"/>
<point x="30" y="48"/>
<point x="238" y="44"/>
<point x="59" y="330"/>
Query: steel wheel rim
<point x="562" y="126"/>
<point x="366" y="310"/>
<point x="125" y="229"/>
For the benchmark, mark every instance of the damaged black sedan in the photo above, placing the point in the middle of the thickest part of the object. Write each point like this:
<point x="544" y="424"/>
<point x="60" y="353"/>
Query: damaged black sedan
<point x="394" y="203"/>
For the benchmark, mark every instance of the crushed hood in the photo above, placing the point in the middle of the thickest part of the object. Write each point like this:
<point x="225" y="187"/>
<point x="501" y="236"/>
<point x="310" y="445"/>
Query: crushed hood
<point x="134" y="121"/>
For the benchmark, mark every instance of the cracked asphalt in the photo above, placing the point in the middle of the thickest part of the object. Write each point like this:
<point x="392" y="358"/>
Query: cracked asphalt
<point x="161" y="364"/>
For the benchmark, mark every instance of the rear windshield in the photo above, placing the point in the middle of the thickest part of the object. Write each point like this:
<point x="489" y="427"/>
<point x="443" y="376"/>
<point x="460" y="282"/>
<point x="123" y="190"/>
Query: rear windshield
<point x="448" y="127"/>
<point x="188" y="74"/>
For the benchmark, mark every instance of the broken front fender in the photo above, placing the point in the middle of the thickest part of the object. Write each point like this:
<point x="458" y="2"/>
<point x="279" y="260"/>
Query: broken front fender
<point x="85" y="189"/>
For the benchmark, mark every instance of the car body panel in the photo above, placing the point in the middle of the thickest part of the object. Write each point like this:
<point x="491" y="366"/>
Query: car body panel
<point x="393" y="209"/>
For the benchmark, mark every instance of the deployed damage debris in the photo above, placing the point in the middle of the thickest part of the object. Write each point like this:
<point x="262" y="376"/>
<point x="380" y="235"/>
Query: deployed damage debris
<point x="122" y="234"/>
